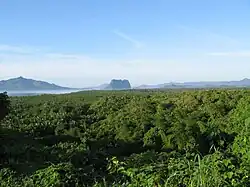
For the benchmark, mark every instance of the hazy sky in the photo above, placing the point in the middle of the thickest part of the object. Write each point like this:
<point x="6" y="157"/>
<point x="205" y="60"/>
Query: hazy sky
<point x="88" y="42"/>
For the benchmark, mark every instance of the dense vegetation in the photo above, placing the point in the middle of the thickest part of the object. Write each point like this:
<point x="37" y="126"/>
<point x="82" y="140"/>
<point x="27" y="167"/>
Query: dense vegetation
<point x="126" y="138"/>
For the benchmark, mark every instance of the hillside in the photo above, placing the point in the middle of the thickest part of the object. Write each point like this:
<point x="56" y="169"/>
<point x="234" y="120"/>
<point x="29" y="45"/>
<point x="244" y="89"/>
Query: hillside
<point x="21" y="84"/>
<point x="126" y="138"/>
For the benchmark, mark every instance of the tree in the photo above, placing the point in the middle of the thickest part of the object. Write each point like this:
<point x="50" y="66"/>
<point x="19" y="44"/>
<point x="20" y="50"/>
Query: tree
<point x="4" y="105"/>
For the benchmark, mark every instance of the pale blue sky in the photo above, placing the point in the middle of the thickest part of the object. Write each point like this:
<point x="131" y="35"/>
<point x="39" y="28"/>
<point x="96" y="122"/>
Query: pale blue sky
<point x="88" y="42"/>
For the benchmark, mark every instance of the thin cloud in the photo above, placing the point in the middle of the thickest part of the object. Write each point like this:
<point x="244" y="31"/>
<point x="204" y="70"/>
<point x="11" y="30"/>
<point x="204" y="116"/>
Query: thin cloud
<point x="17" y="49"/>
<point x="231" y="54"/>
<point x="206" y="33"/>
<point x="136" y="43"/>
<point x="78" y="70"/>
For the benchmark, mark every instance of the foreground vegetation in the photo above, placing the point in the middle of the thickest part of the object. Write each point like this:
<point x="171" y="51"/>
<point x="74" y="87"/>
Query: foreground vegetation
<point x="151" y="138"/>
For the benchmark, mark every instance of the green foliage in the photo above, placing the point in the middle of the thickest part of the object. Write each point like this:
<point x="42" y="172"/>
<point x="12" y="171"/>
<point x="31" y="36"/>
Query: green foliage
<point x="4" y="105"/>
<point x="126" y="138"/>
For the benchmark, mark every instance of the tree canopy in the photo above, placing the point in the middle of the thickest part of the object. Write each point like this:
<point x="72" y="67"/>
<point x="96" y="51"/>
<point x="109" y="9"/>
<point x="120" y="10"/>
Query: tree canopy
<point x="126" y="138"/>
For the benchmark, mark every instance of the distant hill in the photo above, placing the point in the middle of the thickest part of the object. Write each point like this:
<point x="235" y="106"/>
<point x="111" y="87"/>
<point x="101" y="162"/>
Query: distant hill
<point x="215" y="84"/>
<point x="21" y="84"/>
<point x="25" y="84"/>
<point x="118" y="85"/>
<point x="100" y="87"/>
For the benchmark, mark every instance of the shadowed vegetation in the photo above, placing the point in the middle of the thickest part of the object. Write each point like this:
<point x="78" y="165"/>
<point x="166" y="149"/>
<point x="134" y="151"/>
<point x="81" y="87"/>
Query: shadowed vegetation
<point x="126" y="138"/>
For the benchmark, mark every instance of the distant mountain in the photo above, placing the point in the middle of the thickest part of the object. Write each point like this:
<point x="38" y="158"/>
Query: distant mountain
<point x="24" y="84"/>
<point x="103" y="86"/>
<point x="118" y="85"/>
<point x="144" y="86"/>
<point x="215" y="84"/>
<point x="100" y="87"/>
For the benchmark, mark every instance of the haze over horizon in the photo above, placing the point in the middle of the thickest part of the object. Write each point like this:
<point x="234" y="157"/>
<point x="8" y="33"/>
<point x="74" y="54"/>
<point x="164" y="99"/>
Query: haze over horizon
<point x="87" y="43"/>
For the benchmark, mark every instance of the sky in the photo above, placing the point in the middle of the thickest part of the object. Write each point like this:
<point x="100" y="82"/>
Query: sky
<point x="81" y="43"/>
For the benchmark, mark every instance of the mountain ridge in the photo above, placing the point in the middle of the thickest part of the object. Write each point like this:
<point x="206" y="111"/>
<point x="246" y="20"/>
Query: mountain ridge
<point x="199" y="84"/>
<point x="20" y="83"/>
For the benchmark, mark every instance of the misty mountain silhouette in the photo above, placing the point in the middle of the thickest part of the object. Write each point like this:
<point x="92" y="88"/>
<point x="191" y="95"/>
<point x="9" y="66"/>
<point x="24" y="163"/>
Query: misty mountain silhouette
<point x="21" y="83"/>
